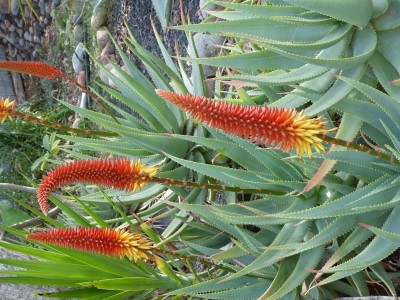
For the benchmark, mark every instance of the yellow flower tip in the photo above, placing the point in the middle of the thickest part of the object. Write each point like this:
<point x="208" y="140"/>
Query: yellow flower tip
<point x="6" y="109"/>
<point x="308" y="132"/>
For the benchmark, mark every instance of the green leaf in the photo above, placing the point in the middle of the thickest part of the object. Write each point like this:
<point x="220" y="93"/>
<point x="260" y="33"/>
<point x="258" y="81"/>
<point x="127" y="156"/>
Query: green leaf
<point x="342" y="10"/>
<point x="337" y="92"/>
<point x="366" y="39"/>
<point x="291" y="279"/>
<point x="40" y="281"/>
<point x="43" y="269"/>
<point x="280" y="77"/>
<point x="377" y="250"/>
<point x="262" y="29"/>
<point x="379" y="7"/>
<point x="236" y="177"/>
<point x="215" y="285"/>
<point x="10" y="215"/>
<point x="264" y="60"/>
<point x="389" y="105"/>
<point x="261" y="10"/>
<point x="388" y="46"/>
<point x="131" y="284"/>
<point x="389" y="18"/>
<point x="163" y="10"/>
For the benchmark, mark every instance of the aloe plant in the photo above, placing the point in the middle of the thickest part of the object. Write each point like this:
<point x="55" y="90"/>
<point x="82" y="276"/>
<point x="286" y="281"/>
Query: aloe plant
<point x="313" y="227"/>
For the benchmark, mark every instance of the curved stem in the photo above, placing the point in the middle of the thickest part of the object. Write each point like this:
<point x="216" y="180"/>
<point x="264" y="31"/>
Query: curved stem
<point x="91" y="94"/>
<point x="214" y="187"/>
<point x="58" y="126"/>
<point x="361" y="148"/>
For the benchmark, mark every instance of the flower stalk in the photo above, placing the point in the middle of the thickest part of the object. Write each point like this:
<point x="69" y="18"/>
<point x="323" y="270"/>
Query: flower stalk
<point x="47" y="71"/>
<point x="7" y="111"/>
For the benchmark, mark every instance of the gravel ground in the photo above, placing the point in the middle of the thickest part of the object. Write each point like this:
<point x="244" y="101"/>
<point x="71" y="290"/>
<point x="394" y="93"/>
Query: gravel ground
<point x="138" y="15"/>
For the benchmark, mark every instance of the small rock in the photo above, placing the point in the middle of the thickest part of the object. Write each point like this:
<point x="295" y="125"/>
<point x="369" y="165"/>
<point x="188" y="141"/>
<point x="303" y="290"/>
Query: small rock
<point x="27" y="36"/>
<point x="20" y="32"/>
<point x="3" y="27"/>
<point x="7" y="23"/>
<point x="206" y="46"/>
<point x="4" y="6"/>
<point x="108" y="49"/>
<point x="14" y="7"/>
<point x="102" y="37"/>
<point x="21" y="42"/>
<point x="116" y="74"/>
<point x="30" y="29"/>
<point x="81" y="78"/>
<point x="106" y="59"/>
<point x="27" y="12"/>
<point x="41" y="5"/>
<point x="37" y="29"/>
<point x="3" y="17"/>
<point x="204" y="12"/>
<point x="56" y="3"/>
<point x="47" y="9"/>
<point x="36" y="39"/>
<point x="99" y="17"/>
<point x="78" y="33"/>
<point x="102" y="74"/>
<point x="2" y="34"/>
<point x="19" y="22"/>
<point x="12" y="28"/>
<point x="10" y="40"/>
<point x="76" y="18"/>
<point x="34" y="53"/>
<point x="19" y="57"/>
<point x="77" y="58"/>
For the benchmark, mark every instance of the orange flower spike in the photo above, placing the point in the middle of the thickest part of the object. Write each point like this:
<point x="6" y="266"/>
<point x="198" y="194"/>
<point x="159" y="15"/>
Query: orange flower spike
<point x="108" y="241"/>
<point x="6" y="109"/>
<point x="32" y="68"/>
<point x="283" y="127"/>
<point x="121" y="174"/>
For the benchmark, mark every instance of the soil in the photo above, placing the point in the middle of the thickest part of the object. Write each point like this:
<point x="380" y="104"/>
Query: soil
<point x="138" y="14"/>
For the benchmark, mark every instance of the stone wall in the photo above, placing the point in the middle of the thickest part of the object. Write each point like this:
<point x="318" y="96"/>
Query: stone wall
<point x="21" y="34"/>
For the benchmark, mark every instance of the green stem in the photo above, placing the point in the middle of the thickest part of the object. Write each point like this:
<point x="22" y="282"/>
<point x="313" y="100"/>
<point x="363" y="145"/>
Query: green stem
<point x="361" y="148"/>
<point x="196" y="259"/>
<point x="214" y="187"/>
<point x="91" y="94"/>
<point x="58" y="126"/>
<point x="201" y="261"/>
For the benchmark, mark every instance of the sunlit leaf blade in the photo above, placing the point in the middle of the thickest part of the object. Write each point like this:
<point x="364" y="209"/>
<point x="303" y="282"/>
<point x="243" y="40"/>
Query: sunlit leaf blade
<point x="342" y="10"/>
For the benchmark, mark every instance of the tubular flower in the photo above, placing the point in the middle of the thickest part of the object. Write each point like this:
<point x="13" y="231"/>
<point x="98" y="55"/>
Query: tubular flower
<point x="285" y="128"/>
<point x="121" y="174"/>
<point x="6" y="109"/>
<point x="32" y="68"/>
<point x="108" y="241"/>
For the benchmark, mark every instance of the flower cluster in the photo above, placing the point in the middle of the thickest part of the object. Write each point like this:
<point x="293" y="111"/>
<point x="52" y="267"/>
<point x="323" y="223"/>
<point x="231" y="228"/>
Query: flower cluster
<point x="121" y="174"/>
<point x="285" y="128"/>
<point x="32" y="68"/>
<point x="6" y="109"/>
<point x="108" y="241"/>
